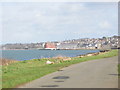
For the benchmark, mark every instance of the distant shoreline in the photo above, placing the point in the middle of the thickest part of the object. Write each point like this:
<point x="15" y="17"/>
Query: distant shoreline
<point x="50" y="49"/>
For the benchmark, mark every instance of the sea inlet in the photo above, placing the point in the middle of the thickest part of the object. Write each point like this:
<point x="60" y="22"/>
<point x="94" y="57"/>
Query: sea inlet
<point x="21" y="55"/>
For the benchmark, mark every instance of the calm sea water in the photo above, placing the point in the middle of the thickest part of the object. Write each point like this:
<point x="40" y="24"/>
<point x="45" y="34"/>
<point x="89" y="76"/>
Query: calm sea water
<point x="35" y="54"/>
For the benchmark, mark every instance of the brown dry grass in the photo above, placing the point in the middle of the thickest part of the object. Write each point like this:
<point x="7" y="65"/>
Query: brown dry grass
<point x="4" y="61"/>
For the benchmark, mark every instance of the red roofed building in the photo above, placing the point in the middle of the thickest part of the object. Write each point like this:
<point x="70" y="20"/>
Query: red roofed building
<point x="49" y="45"/>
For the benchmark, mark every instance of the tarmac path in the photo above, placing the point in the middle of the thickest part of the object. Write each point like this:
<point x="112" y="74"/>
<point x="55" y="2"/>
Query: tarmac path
<point x="101" y="73"/>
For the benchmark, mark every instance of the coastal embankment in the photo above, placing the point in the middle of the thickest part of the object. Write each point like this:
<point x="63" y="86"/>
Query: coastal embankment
<point x="15" y="74"/>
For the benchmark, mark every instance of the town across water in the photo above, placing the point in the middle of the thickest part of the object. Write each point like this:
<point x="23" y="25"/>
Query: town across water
<point x="36" y="54"/>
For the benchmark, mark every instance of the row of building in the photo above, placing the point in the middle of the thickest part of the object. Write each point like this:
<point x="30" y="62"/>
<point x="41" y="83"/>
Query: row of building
<point x="84" y="43"/>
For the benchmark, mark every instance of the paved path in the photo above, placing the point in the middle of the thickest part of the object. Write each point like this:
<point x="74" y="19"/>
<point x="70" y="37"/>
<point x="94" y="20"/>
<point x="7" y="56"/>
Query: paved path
<point x="100" y="73"/>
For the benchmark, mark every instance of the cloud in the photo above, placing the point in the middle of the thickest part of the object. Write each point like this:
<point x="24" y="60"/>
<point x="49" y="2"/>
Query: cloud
<point x="30" y="22"/>
<point x="105" y="25"/>
<point x="73" y="7"/>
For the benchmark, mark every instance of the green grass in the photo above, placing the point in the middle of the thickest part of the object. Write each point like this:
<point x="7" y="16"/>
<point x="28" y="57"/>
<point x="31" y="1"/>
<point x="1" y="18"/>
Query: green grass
<point x="24" y="71"/>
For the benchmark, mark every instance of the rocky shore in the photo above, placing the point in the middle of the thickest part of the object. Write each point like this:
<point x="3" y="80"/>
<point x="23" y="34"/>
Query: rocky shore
<point x="93" y="54"/>
<point x="60" y="59"/>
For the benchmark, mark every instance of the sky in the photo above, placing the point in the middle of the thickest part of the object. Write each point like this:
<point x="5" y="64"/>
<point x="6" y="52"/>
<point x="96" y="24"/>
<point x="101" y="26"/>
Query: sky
<point x="33" y="22"/>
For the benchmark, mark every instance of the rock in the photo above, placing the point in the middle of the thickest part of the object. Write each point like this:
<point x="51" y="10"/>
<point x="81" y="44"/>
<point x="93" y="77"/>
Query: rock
<point x="89" y="54"/>
<point x="65" y="59"/>
<point x="95" y="53"/>
<point x="49" y="62"/>
<point x="6" y="64"/>
<point x="58" y="57"/>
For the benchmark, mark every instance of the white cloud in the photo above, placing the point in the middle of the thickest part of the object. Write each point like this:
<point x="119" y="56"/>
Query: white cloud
<point x="105" y="25"/>
<point x="36" y="21"/>
<point x="73" y="8"/>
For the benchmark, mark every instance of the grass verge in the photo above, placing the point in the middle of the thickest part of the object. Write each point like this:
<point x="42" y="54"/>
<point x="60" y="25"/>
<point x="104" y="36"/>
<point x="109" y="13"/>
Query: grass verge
<point x="24" y="71"/>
